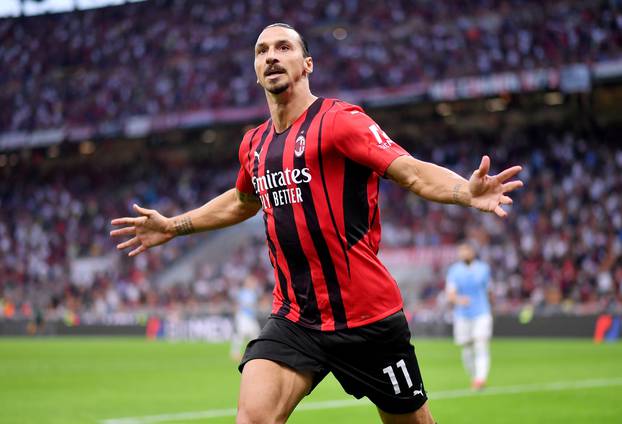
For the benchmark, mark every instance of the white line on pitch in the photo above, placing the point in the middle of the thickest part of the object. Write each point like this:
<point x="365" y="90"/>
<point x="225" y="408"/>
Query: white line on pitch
<point x="344" y="403"/>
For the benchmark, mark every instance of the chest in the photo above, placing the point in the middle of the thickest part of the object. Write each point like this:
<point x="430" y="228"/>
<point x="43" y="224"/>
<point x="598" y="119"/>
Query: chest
<point x="471" y="279"/>
<point x="284" y="166"/>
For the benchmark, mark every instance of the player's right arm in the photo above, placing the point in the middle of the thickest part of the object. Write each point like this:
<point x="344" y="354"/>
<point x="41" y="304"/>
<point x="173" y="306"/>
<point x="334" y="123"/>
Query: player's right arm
<point x="151" y="228"/>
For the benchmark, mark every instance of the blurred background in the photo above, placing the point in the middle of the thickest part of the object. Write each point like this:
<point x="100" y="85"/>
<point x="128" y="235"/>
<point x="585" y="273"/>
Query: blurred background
<point x="108" y="103"/>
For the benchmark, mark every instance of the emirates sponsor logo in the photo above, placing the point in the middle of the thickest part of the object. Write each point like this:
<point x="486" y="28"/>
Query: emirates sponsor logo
<point x="273" y="187"/>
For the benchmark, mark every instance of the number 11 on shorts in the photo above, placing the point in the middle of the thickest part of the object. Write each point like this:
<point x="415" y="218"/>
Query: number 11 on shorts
<point x="389" y="371"/>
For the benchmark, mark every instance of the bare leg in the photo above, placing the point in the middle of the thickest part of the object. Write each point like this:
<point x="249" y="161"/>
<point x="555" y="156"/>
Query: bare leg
<point x="269" y="392"/>
<point x="420" y="416"/>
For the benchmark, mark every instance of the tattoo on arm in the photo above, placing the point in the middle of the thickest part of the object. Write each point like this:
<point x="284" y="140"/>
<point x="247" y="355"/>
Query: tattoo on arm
<point x="248" y="198"/>
<point x="184" y="226"/>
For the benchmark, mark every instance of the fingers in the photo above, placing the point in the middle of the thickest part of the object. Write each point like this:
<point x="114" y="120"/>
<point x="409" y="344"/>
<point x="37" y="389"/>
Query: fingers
<point x="127" y="231"/>
<point x="505" y="200"/>
<point x="509" y="173"/>
<point x="484" y="167"/>
<point x="130" y="229"/>
<point x="500" y="212"/>
<point x="128" y="243"/>
<point x="142" y="211"/>
<point x="512" y="185"/>
<point x="138" y="250"/>
<point x="129" y="221"/>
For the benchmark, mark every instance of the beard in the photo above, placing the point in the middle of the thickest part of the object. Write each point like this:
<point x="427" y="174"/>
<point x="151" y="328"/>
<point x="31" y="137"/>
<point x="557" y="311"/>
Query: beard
<point x="278" y="88"/>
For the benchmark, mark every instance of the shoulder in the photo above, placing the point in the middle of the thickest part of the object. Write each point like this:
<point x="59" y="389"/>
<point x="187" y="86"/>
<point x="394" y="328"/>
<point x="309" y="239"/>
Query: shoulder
<point x="341" y="110"/>
<point x="483" y="265"/>
<point x="250" y="135"/>
<point x="346" y="120"/>
<point x="453" y="268"/>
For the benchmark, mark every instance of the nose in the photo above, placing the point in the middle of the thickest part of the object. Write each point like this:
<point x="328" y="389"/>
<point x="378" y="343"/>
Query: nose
<point x="271" y="56"/>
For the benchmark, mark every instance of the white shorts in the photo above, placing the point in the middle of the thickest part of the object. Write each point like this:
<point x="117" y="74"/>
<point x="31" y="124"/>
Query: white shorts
<point x="468" y="330"/>
<point x="246" y="327"/>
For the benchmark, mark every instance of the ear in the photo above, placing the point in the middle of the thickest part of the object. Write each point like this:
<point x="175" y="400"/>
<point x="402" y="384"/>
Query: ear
<point x="308" y="65"/>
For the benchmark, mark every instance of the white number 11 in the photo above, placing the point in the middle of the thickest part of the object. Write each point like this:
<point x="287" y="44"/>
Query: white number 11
<point x="389" y="370"/>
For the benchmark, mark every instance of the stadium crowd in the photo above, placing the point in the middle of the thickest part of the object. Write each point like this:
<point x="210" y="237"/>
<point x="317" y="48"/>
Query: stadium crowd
<point x="103" y="66"/>
<point x="561" y="245"/>
<point x="50" y="218"/>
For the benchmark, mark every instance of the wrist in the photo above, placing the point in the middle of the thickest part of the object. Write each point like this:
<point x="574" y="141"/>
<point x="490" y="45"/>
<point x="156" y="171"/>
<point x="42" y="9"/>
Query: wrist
<point x="461" y="195"/>
<point x="181" y="226"/>
<point x="169" y="227"/>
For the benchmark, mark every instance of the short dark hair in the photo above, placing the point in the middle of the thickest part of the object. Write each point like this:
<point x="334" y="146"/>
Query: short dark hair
<point x="303" y="42"/>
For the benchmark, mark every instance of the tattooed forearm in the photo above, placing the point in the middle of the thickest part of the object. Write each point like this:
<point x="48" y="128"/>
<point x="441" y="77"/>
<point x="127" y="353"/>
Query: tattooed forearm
<point x="184" y="226"/>
<point x="459" y="197"/>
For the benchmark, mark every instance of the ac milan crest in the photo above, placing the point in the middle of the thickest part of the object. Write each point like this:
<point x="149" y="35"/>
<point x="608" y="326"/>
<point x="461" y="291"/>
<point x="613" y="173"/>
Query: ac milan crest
<point x="299" y="149"/>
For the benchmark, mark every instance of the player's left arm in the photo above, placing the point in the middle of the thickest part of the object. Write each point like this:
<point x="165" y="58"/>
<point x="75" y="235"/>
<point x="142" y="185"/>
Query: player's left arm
<point x="433" y="182"/>
<point x="360" y="139"/>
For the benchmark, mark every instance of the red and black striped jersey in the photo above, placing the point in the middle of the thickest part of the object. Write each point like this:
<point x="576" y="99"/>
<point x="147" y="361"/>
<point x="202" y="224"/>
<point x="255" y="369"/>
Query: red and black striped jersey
<point x="318" y="183"/>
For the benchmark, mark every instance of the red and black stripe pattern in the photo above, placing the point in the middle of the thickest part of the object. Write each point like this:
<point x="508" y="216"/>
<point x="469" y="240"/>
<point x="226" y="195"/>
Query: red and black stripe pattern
<point x="318" y="184"/>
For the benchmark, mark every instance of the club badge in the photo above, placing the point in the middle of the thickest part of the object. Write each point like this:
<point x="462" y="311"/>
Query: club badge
<point x="299" y="149"/>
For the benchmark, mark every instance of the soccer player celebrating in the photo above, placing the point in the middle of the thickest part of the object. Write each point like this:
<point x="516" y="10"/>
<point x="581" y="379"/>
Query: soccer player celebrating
<point x="314" y="169"/>
<point x="468" y="289"/>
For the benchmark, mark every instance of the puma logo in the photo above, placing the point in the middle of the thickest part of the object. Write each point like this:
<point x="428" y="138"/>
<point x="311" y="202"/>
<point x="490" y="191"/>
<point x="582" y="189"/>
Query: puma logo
<point x="419" y="392"/>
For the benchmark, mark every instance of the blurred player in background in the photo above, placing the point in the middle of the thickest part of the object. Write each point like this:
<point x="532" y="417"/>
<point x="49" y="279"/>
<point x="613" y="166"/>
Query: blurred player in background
<point x="314" y="169"/>
<point x="246" y="326"/>
<point x="468" y="290"/>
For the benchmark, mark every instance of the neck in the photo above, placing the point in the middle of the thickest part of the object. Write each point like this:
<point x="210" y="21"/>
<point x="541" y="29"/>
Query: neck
<point x="286" y="107"/>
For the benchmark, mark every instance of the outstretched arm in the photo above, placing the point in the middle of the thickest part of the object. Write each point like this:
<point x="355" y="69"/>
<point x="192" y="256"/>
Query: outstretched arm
<point x="433" y="182"/>
<point x="151" y="229"/>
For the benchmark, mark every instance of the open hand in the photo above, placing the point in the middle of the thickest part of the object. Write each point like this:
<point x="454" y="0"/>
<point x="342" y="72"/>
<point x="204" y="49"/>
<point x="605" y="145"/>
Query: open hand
<point x="488" y="192"/>
<point x="149" y="229"/>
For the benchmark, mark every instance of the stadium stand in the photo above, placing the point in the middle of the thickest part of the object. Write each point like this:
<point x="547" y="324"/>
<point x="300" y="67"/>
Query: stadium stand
<point x="167" y="56"/>
<point x="562" y="248"/>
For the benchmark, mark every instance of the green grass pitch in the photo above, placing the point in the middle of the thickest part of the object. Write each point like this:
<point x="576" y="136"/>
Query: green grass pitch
<point x="91" y="380"/>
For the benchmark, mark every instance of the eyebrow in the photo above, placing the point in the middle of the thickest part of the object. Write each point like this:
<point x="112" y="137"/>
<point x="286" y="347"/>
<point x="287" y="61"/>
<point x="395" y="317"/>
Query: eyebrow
<point x="264" y="44"/>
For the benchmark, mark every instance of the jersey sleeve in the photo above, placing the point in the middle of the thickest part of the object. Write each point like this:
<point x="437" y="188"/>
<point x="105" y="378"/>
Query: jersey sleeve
<point x="244" y="183"/>
<point x="360" y="139"/>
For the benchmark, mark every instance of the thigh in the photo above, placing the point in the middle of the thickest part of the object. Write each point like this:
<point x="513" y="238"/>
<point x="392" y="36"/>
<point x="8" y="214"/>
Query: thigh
<point x="482" y="327"/>
<point x="463" y="331"/>
<point x="378" y="361"/>
<point x="248" y="327"/>
<point x="283" y="342"/>
<point x="270" y="391"/>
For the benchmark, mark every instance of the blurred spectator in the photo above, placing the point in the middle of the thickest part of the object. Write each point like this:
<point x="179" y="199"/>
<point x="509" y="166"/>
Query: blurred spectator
<point x="561" y="246"/>
<point x="166" y="56"/>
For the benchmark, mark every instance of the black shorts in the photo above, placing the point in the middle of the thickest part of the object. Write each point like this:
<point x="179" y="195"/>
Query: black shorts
<point x="376" y="360"/>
